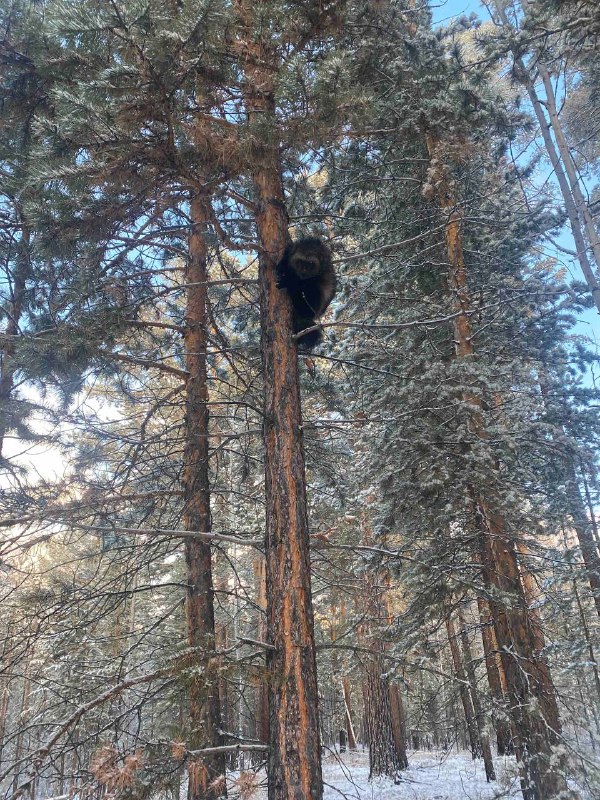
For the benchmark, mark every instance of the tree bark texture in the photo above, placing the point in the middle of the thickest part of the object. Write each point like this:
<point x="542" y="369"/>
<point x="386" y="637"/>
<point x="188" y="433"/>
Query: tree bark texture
<point x="530" y="690"/>
<point x="398" y="724"/>
<point x="383" y="755"/>
<point x="294" y="757"/>
<point x="294" y="763"/>
<point x="206" y="775"/>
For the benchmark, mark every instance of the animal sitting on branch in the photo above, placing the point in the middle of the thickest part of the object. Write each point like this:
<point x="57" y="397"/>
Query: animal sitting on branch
<point x="306" y="272"/>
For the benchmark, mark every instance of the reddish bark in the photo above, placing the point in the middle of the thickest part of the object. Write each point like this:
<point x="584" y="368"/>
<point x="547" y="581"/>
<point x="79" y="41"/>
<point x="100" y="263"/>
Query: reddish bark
<point x="294" y="763"/>
<point x="206" y="776"/>
<point x="398" y="724"/>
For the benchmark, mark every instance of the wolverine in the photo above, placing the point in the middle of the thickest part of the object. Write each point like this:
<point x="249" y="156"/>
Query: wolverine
<point x="306" y="272"/>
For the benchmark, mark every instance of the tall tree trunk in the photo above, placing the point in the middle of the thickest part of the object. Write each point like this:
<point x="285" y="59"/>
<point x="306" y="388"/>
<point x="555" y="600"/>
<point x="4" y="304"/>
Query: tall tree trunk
<point x="387" y="754"/>
<point x="463" y="688"/>
<point x="529" y="686"/>
<point x="294" y="763"/>
<point x="496" y="680"/>
<point x="6" y="670"/>
<point x="207" y="774"/>
<point x="480" y="721"/>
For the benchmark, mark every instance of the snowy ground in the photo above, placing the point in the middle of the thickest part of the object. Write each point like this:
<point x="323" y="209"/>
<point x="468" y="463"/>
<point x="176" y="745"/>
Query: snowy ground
<point x="430" y="776"/>
<point x="434" y="775"/>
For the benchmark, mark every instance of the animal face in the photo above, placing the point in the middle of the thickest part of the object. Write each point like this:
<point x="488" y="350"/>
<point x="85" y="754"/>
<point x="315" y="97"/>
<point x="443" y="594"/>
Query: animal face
<point x="307" y="267"/>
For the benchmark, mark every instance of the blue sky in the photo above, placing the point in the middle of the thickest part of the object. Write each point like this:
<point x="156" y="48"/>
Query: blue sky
<point x="445" y="10"/>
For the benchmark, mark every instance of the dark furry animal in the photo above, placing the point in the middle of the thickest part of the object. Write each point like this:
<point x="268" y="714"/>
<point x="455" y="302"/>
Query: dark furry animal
<point x="307" y="273"/>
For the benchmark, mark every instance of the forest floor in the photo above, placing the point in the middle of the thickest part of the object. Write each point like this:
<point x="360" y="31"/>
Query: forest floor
<point x="432" y="775"/>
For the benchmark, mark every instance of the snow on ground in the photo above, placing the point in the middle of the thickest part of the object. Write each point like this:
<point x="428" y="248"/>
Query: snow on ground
<point x="433" y="775"/>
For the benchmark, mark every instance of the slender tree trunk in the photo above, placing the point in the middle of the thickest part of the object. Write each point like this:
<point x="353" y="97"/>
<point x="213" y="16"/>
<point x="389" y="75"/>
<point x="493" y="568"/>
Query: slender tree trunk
<point x="207" y="774"/>
<point x="294" y="764"/>
<point x="529" y="686"/>
<point x="480" y="720"/>
<point x="348" y="713"/>
<point x="346" y="694"/>
<point x="548" y="699"/>
<point x="20" y="738"/>
<point x="4" y="706"/>
<point x="496" y="680"/>
<point x="262" y="699"/>
<point x="6" y="669"/>
<point x="565" y="153"/>
<point x="384" y="756"/>
<point x="221" y="643"/>
<point x="385" y="752"/>
<point x="463" y="688"/>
